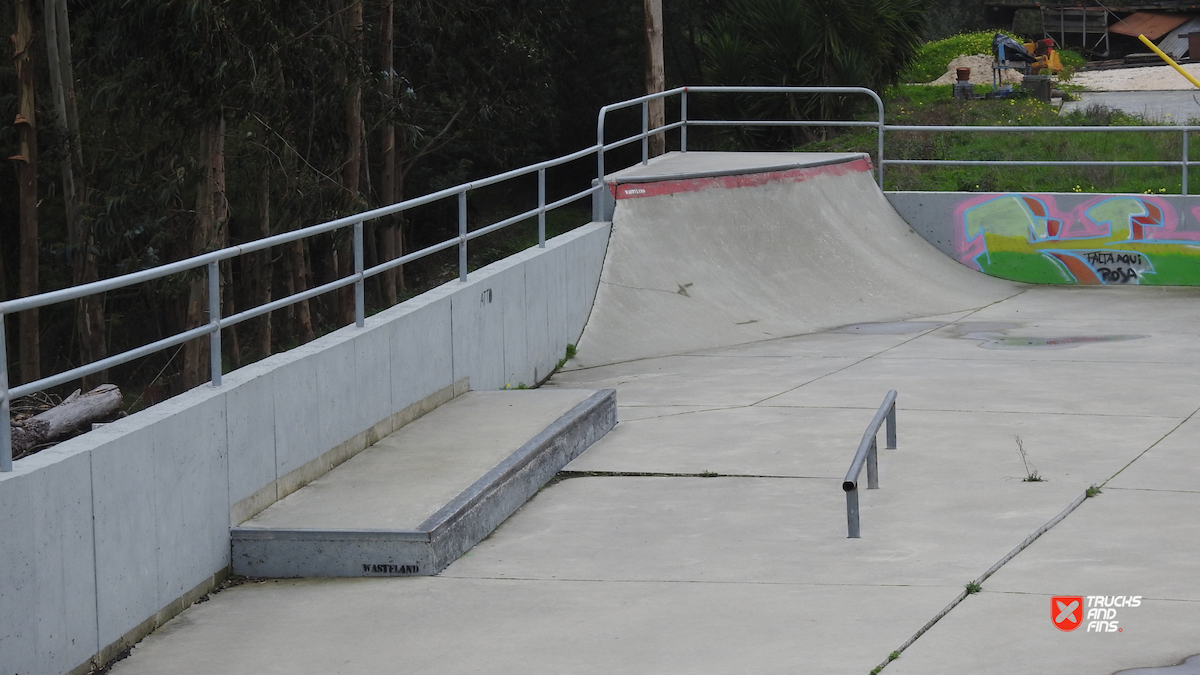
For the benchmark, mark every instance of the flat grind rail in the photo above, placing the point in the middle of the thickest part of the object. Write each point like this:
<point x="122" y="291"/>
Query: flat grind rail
<point x="868" y="454"/>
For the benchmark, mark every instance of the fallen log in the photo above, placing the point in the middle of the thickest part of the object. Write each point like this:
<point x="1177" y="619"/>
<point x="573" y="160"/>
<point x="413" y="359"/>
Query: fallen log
<point x="73" y="416"/>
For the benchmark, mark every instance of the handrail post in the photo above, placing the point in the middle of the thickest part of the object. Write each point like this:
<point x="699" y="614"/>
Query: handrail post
<point x="360" y="296"/>
<point x="214" y="320"/>
<point x="541" y="208"/>
<point x="868" y="454"/>
<point x="683" y="118"/>
<point x="881" y="125"/>
<point x="462" y="236"/>
<point x="891" y="427"/>
<point x="6" y="432"/>
<point x="1184" y="183"/>
<point x="873" y="466"/>
<point x="852" y="513"/>
<point x="645" y="132"/>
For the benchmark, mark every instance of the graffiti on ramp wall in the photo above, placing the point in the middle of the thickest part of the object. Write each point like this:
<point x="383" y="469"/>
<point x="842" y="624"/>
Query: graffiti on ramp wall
<point x="1109" y="239"/>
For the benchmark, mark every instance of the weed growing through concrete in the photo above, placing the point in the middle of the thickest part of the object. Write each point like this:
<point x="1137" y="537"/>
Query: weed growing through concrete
<point x="570" y="354"/>
<point x="973" y="588"/>
<point x="1031" y="472"/>
<point x="709" y="474"/>
<point x="1092" y="491"/>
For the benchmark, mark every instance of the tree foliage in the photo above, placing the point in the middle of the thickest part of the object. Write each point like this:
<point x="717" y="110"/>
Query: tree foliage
<point x="204" y="123"/>
<point x="863" y="43"/>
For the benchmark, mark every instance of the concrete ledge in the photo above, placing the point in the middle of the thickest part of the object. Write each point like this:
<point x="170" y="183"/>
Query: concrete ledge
<point x="298" y="478"/>
<point x="111" y="533"/>
<point x="453" y="529"/>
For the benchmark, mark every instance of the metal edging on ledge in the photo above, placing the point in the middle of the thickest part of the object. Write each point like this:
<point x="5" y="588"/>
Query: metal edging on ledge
<point x="526" y="454"/>
<point x="451" y="530"/>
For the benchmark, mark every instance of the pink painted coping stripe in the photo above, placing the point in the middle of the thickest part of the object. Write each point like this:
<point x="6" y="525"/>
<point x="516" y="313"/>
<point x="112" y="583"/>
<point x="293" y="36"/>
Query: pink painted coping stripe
<point x="797" y="175"/>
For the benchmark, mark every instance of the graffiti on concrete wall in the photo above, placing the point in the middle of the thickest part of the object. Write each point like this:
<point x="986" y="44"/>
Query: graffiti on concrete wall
<point x="1109" y="239"/>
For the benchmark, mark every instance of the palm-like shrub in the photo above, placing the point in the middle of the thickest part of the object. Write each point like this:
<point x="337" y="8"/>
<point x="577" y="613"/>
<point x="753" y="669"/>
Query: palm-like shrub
<point x="863" y="43"/>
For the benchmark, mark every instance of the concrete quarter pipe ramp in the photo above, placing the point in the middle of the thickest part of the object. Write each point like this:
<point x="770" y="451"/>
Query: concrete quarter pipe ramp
<point x="712" y="249"/>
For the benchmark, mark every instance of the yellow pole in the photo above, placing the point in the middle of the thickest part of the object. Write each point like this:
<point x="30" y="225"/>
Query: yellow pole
<point x="1154" y="48"/>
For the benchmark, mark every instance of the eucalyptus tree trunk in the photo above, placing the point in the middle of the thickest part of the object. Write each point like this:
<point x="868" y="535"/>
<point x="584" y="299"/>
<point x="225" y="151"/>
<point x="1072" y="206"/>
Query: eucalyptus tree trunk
<point x="352" y="168"/>
<point x="211" y="214"/>
<point x="656" y="79"/>
<point x="89" y="311"/>
<point x="26" y="124"/>
<point x="262" y="274"/>
<point x="387" y="192"/>
<point x="298" y="284"/>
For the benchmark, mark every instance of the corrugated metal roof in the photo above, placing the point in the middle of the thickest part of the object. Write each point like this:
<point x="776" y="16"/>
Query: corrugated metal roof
<point x="1151" y="24"/>
<point x="1175" y="44"/>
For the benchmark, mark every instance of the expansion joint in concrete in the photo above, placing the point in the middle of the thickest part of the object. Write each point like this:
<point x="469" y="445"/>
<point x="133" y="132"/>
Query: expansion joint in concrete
<point x="976" y="585"/>
<point x="565" y="475"/>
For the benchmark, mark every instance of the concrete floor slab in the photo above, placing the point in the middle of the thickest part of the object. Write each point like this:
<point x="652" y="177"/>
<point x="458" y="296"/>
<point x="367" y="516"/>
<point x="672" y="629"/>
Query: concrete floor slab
<point x="1048" y="387"/>
<point x="1098" y="340"/>
<point x="1006" y="633"/>
<point x="815" y="345"/>
<point x="633" y="413"/>
<point x="820" y="442"/>
<point x="452" y="626"/>
<point x="1122" y="542"/>
<point x="702" y="380"/>
<point x="1171" y="464"/>
<point x="762" y="530"/>
<point x="1089" y="303"/>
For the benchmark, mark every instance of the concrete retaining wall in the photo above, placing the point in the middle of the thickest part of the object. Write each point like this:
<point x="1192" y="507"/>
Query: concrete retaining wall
<point x="108" y="535"/>
<point x="1063" y="238"/>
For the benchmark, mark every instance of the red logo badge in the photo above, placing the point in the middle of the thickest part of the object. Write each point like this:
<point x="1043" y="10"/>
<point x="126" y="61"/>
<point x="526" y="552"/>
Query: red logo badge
<point x="1066" y="611"/>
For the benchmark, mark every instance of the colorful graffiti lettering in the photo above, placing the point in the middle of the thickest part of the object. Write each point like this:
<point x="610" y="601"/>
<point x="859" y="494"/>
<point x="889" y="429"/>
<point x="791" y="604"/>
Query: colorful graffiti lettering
<point x="1111" y="239"/>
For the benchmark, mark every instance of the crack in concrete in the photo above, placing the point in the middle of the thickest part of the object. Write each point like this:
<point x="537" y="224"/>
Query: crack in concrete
<point x="1152" y="446"/>
<point x="638" y="288"/>
<point x="977" y="583"/>
<point x="895" y="346"/>
<point x="566" y="475"/>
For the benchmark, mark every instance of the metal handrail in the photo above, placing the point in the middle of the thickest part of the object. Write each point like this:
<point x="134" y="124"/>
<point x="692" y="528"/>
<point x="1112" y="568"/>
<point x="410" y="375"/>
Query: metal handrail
<point x="1183" y="163"/>
<point x="356" y="222"/>
<point x="868" y="454"/>
<point x="684" y="122"/>
<point x="211" y="260"/>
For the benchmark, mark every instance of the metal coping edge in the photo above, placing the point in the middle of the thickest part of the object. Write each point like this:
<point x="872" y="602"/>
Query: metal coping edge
<point x="612" y="179"/>
<point x="303" y="534"/>
<point x="522" y="457"/>
<point x="457" y="507"/>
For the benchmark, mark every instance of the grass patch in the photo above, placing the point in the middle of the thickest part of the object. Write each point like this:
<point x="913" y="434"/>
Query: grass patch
<point x="1070" y="57"/>
<point x="973" y="588"/>
<point x="935" y="106"/>
<point x="1093" y="491"/>
<point x="933" y="58"/>
<point x="570" y="354"/>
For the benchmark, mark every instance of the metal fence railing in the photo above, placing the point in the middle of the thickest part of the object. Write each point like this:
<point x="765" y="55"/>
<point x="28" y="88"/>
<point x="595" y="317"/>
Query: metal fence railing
<point x="868" y="454"/>
<point x="1183" y="163"/>
<point x="211" y="260"/>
